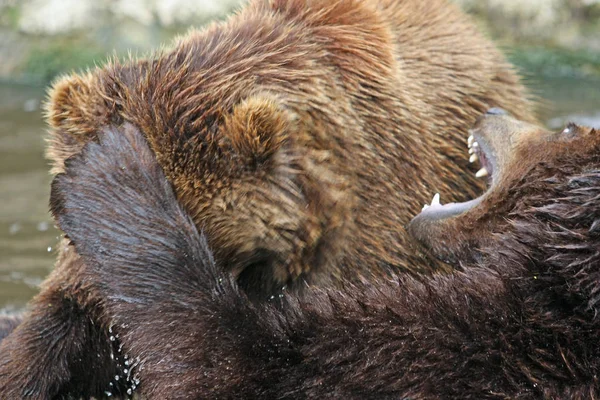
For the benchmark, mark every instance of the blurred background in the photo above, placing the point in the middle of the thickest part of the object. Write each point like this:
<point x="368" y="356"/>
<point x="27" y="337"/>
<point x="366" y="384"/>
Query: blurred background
<point x="554" y="43"/>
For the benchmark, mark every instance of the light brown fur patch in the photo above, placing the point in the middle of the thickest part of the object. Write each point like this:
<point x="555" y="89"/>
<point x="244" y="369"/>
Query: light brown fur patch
<point x="303" y="135"/>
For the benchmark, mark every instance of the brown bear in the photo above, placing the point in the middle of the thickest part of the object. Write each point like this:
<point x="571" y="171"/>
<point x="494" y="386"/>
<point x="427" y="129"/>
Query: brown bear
<point x="518" y="320"/>
<point x="294" y="132"/>
<point x="300" y="136"/>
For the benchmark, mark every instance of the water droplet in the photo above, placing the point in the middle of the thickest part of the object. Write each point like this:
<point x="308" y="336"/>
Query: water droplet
<point x="107" y="393"/>
<point x="112" y="338"/>
<point x="31" y="105"/>
<point x="126" y="362"/>
<point x="129" y="391"/>
<point x="125" y="371"/>
<point x="14" y="228"/>
<point x="116" y="377"/>
<point x="43" y="226"/>
<point x="49" y="249"/>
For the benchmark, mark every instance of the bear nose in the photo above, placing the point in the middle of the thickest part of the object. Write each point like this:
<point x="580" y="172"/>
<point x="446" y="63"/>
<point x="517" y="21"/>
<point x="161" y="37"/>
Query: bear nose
<point x="496" y="111"/>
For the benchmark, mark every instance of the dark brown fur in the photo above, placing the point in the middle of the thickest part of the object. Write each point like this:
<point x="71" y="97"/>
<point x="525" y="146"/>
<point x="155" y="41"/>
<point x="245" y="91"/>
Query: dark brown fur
<point x="301" y="136"/>
<point x="520" y="320"/>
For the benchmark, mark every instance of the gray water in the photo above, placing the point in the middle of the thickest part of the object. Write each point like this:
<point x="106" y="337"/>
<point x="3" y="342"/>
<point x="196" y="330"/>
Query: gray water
<point x="27" y="235"/>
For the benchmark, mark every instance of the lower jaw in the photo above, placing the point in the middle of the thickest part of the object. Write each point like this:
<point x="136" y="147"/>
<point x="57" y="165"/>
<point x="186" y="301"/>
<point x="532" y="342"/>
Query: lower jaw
<point x="439" y="212"/>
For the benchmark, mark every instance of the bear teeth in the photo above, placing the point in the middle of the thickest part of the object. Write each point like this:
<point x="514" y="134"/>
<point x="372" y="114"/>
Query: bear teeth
<point x="473" y="145"/>
<point x="482" y="173"/>
<point x="434" y="202"/>
<point x="473" y="156"/>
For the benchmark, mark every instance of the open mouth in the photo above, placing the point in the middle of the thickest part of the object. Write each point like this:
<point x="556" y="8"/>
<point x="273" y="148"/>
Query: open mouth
<point x="478" y="151"/>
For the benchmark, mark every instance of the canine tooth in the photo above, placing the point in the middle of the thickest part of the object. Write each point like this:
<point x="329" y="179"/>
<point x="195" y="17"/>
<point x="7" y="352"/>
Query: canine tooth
<point x="473" y="158"/>
<point x="436" y="200"/>
<point x="481" y="173"/>
<point x="471" y="140"/>
<point x="471" y="151"/>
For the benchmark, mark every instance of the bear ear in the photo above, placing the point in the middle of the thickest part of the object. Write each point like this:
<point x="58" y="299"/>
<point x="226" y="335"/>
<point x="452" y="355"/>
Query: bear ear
<point x="71" y="106"/>
<point x="76" y="112"/>
<point x="257" y="128"/>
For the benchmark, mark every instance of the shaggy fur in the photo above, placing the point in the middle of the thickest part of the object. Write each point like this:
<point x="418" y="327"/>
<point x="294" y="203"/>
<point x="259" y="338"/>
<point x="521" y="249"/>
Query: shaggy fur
<point x="520" y="320"/>
<point x="301" y="136"/>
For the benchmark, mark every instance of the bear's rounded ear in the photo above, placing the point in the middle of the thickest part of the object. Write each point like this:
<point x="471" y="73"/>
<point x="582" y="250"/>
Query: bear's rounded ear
<point x="256" y="128"/>
<point x="76" y="112"/>
<point x="71" y="106"/>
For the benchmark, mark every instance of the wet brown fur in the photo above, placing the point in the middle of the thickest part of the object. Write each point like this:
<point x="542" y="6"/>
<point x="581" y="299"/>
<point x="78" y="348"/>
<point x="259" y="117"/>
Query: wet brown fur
<point x="301" y="136"/>
<point x="519" y="321"/>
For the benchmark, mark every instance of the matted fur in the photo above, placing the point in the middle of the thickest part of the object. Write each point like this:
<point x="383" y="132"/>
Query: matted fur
<point x="301" y="136"/>
<point x="520" y="321"/>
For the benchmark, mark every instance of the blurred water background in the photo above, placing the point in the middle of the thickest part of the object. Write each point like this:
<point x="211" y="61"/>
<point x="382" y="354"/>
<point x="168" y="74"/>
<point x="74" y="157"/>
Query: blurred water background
<point x="554" y="43"/>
